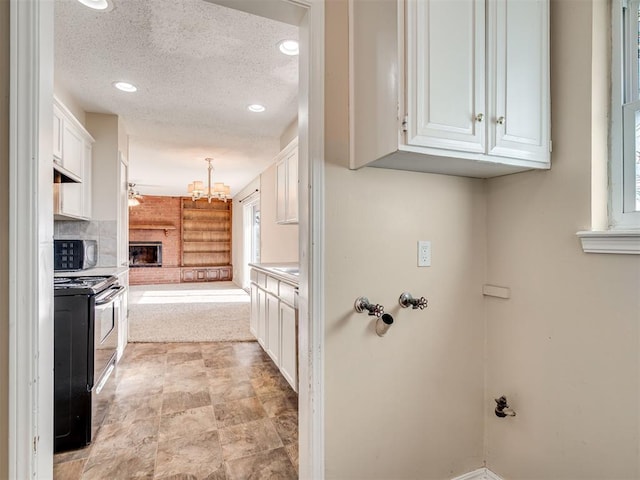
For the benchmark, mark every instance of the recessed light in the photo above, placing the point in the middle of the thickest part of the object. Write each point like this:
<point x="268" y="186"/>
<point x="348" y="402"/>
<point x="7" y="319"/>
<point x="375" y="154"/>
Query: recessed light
<point x="256" y="108"/>
<point x="289" y="47"/>
<point x="125" y="86"/>
<point x="96" y="4"/>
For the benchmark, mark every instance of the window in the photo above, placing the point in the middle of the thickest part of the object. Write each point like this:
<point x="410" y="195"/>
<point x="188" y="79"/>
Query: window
<point x="625" y="110"/>
<point x="623" y="233"/>
<point x="251" y="213"/>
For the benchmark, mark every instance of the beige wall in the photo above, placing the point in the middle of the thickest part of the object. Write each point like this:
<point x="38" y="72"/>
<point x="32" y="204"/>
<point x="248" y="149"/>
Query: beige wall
<point x="408" y="405"/>
<point x="564" y="348"/>
<point x="278" y="243"/>
<point x="4" y="237"/>
<point x="104" y="128"/>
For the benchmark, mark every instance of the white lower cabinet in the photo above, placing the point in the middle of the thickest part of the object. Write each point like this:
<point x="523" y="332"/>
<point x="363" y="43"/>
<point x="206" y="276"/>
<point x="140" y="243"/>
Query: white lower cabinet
<point x="289" y="344"/>
<point x="255" y="310"/>
<point x="273" y="322"/>
<point x="262" y="316"/>
<point x="273" y="328"/>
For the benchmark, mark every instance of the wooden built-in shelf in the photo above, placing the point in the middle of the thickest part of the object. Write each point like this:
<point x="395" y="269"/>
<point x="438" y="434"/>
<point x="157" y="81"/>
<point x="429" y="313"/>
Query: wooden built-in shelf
<point x="144" y="226"/>
<point x="206" y="240"/>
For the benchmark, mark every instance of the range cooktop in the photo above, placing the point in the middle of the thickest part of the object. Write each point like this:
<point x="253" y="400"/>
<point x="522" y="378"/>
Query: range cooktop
<point x="81" y="285"/>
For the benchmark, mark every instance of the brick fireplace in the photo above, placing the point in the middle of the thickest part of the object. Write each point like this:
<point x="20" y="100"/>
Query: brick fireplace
<point x="159" y="221"/>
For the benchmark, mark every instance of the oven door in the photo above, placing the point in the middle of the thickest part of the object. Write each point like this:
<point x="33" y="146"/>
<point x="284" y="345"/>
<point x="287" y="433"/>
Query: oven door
<point x="107" y="317"/>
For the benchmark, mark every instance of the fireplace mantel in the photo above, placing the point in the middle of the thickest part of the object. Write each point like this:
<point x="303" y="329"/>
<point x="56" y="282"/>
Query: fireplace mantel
<point x="146" y="226"/>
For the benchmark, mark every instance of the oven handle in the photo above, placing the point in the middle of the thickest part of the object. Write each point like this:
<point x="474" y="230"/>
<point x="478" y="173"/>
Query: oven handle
<point x="104" y="378"/>
<point x="109" y="297"/>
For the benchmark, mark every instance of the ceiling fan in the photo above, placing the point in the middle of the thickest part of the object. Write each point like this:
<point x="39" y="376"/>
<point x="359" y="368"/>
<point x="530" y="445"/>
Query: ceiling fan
<point x="134" y="196"/>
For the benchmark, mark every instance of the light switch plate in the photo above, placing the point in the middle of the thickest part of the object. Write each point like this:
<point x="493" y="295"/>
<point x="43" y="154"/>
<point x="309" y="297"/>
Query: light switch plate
<point x="424" y="253"/>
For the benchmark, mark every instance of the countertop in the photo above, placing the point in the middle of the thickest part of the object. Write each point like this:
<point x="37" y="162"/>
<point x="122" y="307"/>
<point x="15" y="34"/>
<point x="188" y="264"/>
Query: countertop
<point x="273" y="269"/>
<point x="93" y="272"/>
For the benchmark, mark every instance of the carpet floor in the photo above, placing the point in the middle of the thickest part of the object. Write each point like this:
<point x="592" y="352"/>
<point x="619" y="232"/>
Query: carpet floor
<point x="189" y="312"/>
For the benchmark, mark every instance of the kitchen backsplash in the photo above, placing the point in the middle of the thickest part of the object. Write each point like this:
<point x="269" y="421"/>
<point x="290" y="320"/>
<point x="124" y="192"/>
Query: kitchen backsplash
<point x="105" y="232"/>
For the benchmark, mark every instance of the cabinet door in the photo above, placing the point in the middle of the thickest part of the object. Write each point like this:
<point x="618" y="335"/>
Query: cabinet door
<point x="72" y="149"/>
<point x="188" y="275"/>
<point x="519" y="90"/>
<point x="262" y="318"/>
<point x="273" y="328"/>
<point x="289" y="345"/>
<point x="57" y="135"/>
<point x="281" y="191"/>
<point x="225" y="274"/>
<point x="72" y="197"/>
<point x="445" y="59"/>
<point x="255" y="309"/>
<point x="213" y="274"/>
<point x="292" y="187"/>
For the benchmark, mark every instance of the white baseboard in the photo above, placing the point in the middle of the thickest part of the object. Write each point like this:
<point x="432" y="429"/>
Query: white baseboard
<point x="480" y="474"/>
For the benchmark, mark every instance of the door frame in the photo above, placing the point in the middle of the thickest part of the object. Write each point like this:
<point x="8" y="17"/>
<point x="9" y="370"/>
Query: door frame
<point x="31" y="238"/>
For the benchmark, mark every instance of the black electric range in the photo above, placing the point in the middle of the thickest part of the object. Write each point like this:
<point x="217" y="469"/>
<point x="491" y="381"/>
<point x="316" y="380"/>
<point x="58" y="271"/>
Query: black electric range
<point x="86" y="317"/>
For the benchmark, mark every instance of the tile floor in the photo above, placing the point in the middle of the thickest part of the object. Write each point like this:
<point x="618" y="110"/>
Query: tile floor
<point x="215" y="411"/>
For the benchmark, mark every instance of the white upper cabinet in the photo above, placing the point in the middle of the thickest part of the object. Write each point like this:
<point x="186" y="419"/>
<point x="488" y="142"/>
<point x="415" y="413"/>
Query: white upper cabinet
<point x="519" y="64"/>
<point x="72" y="154"/>
<point x="57" y="135"/>
<point x="445" y="75"/>
<point x="287" y="184"/>
<point x="455" y="87"/>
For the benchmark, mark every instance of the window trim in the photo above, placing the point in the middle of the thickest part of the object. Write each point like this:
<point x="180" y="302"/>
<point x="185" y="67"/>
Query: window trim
<point x="623" y="233"/>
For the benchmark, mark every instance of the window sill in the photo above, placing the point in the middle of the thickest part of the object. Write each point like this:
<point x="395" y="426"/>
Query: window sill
<point x="626" y="242"/>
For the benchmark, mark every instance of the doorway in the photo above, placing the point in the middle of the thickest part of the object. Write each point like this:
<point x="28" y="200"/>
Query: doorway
<point x="31" y="249"/>
<point x="251" y="217"/>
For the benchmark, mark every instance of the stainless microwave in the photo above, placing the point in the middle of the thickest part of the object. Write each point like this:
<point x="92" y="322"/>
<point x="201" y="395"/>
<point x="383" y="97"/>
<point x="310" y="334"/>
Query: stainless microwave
<point x="70" y="255"/>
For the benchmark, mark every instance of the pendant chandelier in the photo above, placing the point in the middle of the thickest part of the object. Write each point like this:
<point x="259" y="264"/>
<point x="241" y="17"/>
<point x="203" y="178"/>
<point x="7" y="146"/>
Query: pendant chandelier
<point x="220" y="191"/>
<point x="134" y="196"/>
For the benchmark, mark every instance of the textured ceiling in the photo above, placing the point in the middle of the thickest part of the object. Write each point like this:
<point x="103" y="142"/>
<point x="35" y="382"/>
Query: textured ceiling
<point x="197" y="66"/>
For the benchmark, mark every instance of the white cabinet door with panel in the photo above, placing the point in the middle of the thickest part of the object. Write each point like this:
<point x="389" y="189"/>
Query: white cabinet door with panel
<point x="57" y="134"/>
<point x="255" y="309"/>
<point x="445" y="74"/>
<point x="72" y="148"/>
<point x="262" y="317"/>
<point x="273" y="328"/>
<point x="287" y="184"/>
<point x="519" y="72"/>
<point x="289" y="344"/>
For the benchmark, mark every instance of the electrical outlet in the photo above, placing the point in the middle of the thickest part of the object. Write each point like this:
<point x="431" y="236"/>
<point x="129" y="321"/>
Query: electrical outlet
<point x="424" y="253"/>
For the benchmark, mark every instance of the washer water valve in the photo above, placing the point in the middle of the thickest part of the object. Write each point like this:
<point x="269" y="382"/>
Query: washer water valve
<point x="406" y="300"/>
<point x="362" y="303"/>
<point x="503" y="409"/>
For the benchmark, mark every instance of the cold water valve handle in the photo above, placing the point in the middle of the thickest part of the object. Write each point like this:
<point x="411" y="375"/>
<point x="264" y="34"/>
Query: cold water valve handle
<point x="406" y="300"/>
<point x="362" y="303"/>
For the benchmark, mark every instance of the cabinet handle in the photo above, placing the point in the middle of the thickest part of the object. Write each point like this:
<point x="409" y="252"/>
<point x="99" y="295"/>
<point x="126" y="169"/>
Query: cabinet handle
<point x="479" y="117"/>
<point x="500" y="121"/>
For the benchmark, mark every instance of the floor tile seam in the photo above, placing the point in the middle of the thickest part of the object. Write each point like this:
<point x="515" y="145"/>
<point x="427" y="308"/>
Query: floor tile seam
<point x="261" y="452"/>
<point x="164" y="440"/>
<point x="130" y="422"/>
